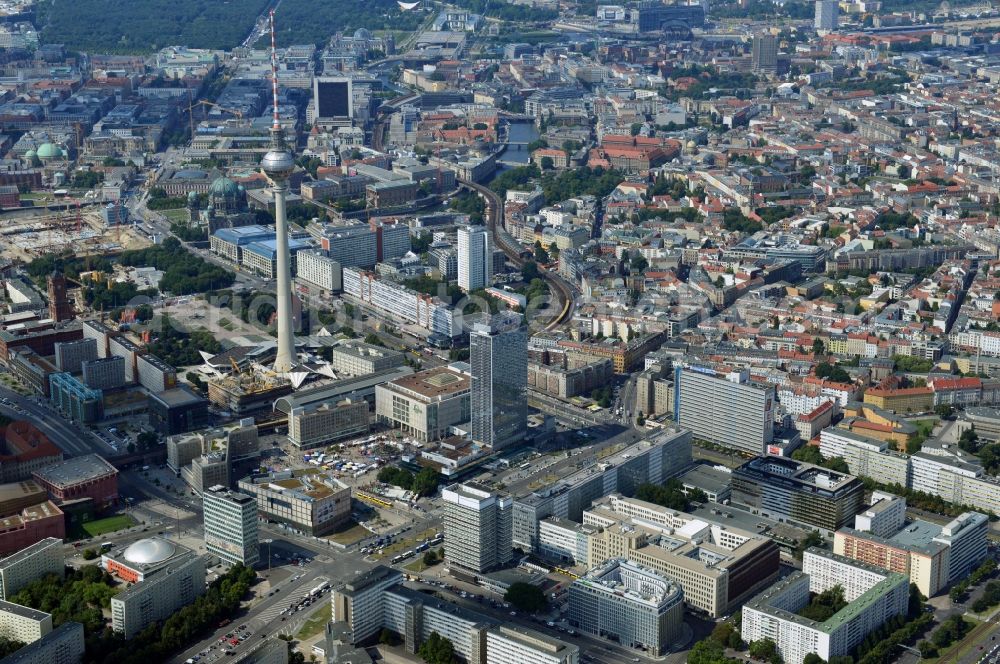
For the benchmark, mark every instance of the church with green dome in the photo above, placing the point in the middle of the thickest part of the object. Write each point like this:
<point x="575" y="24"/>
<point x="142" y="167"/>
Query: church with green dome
<point x="225" y="196"/>
<point x="226" y="206"/>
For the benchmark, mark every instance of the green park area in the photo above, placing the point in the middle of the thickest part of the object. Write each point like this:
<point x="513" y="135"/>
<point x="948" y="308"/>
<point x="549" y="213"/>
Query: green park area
<point x="100" y="527"/>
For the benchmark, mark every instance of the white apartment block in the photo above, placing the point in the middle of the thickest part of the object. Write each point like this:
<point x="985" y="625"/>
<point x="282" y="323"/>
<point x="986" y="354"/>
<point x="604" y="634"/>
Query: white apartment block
<point x="885" y="517"/>
<point x="319" y="270"/>
<point x="827" y="570"/>
<point x="868" y="457"/>
<point x="517" y="645"/>
<point x="477" y="527"/>
<point x="155" y="374"/>
<point x="158" y="597"/>
<point x="31" y="563"/>
<point x="63" y="645"/>
<point x="359" y="602"/>
<point x="20" y="623"/>
<point x="954" y="480"/>
<point x="965" y="536"/>
<point x="874" y="595"/>
<point x="394" y="239"/>
<point x="356" y="358"/>
<point x="402" y="304"/>
<point x="351" y="246"/>
<point x="314" y="426"/>
<point x="562" y="539"/>
<point x="727" y="410"/>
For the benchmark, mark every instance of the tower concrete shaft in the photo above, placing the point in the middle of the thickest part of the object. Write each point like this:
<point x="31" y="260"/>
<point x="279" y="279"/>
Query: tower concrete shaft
<point x="285" y="358"/>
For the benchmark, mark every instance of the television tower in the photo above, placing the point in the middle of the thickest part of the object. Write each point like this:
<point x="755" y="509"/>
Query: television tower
<point x="277" y="165"/>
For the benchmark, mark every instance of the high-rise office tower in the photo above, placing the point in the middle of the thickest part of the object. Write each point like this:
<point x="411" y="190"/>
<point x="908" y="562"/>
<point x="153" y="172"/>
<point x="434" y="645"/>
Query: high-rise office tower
<point x="764" y="57"/>
<point x="333" y="97"/>
<point x="826" y="15"/>
<point x="278" y="165"/>
<point x="475" y="258"/>
<point x="231" y="526"/>
<point x="727" y="410"/>
<point x="477" y="527"/>
<point x="499" y="357"/>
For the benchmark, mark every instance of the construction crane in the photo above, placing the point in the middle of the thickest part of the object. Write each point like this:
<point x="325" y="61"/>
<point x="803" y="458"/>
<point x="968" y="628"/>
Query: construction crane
<point x="79" y="215"/>
<point x="205" y="102"/>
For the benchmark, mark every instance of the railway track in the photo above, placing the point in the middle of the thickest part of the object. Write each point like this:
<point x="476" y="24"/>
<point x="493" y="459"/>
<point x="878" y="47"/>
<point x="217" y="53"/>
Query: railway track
<point x="557" y="286"/>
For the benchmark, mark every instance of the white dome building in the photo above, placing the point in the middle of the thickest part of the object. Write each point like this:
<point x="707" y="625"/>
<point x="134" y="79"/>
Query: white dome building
<point x="143" y="558"/>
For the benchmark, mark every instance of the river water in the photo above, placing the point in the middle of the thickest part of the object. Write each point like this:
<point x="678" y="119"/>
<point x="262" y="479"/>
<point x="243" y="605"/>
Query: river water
<point x="519" y="132"/>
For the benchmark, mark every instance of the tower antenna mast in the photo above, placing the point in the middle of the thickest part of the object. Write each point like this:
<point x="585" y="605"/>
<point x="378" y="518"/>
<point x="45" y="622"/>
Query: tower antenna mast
<point x="276" y="126"/>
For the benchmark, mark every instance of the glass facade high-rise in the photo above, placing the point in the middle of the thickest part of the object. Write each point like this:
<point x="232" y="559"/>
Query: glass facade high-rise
<point x="475" y="258"/>
<point x="499" y="358"/>
<point x="477" y="525"/>
<point x="231" y="526"/>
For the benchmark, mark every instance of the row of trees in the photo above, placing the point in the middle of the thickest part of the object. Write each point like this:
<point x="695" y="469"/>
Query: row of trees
<point x="670" y="494"/>
<point x="184" y="273"/>
<point x="189" y="233"/>
<point x="985" y="569"/>
<point x="526" y="597"/>
<point x="825" y="605"/>
<point x="68" y="264"/>
<point x="145" y="25"/>
<point x="811" y="454"/>
<point x="951" y="630"/>
<point x="832" y="372"/>
<point x="159" y="200"/>
<point x="423" y="483"/>
<point x="735" y="221"/>
<point x="80" y="596"/>
<point x="471" y="204"/>
<point x="175" y="346"/>
<point x="989" y="599"/>
<point x="560" y="186"/>
<point x="919" y="499"/>
<point x="158" y="642"/>
<point x="105" y="297"/>
<point x="83" y="595"/>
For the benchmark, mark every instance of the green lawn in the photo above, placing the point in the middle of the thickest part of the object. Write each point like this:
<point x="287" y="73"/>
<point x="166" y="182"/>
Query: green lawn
<point x="176" y="214"/>
<point x="108" y="525"/>
<point x="316" y="624"/>
<point x="350" y="534"/>
<point x="403" y="545"/>
<point x="926" y="427"/>
<point x="417" y="565"/>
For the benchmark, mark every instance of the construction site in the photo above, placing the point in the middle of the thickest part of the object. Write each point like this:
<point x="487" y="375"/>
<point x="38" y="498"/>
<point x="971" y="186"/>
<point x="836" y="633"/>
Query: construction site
<point x="247" y="389"/>
<point x="34" y="233"/>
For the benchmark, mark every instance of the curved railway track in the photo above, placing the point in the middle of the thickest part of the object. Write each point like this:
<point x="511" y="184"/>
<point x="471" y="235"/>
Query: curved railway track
<point x="557" y="286"/>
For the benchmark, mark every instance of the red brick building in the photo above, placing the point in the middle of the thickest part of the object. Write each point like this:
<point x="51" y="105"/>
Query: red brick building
<point x="39" y="336"/>
<point x="32" y="524"/>
<point x="89" y="476"/>
<point x="9" y="196"/>
<point x="25" y="450"/>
